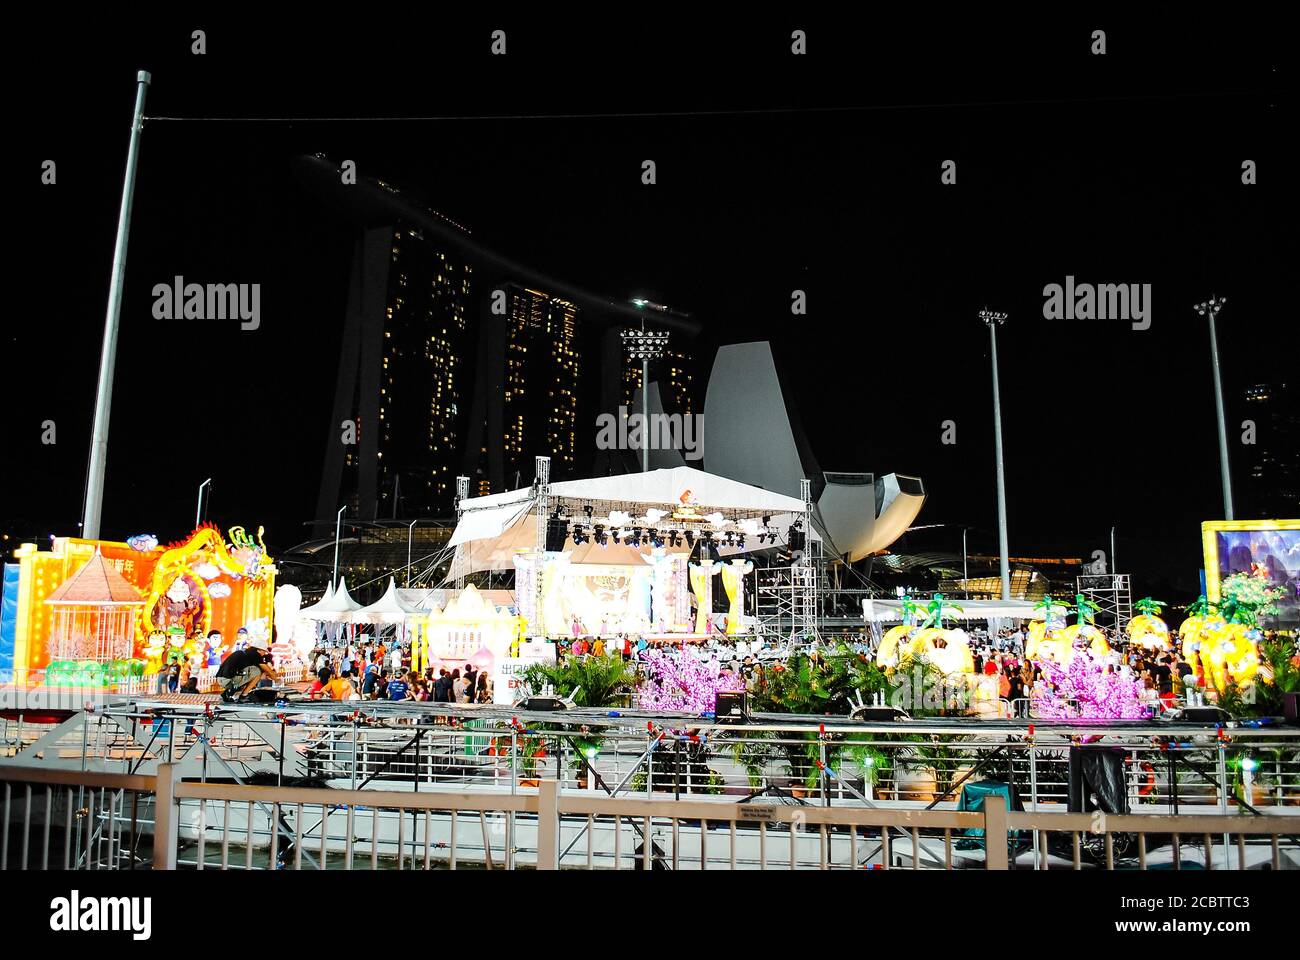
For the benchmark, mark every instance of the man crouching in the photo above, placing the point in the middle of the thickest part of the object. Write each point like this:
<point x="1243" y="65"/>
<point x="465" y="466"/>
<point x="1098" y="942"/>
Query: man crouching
<point x="244" y="669"/>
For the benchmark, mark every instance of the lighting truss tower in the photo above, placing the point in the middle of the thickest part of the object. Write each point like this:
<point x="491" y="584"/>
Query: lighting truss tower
<point x="1112" y="595"/>
<point x="542" y="487"/>
<point x="804" y="577"/>
<point x="457" y="561"/>
<point x="1210" y="308"/>
<point x="645" y="345"/>
<point x="994" y="319"/>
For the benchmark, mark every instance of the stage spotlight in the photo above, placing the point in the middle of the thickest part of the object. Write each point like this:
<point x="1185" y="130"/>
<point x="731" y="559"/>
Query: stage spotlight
<point x="601" y="537"/>
<point x="674" y="538"/>
<point x="690" y="538"/>
<point x="656" y="539"/>
<point x="587" y="510"/>
<point x="579" y="538"/>
<point x="615" y="534"/>
<point x="740" y="541"/>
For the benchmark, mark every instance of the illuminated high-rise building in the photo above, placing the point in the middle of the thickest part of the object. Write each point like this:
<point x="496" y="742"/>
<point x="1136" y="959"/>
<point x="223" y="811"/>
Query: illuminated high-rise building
<point x="394" y="446"/>
<point x="1271" y="463"/>
<point x="543" y="365"/>
<point x="426" y="340"/>
<point x="456" y="360"/>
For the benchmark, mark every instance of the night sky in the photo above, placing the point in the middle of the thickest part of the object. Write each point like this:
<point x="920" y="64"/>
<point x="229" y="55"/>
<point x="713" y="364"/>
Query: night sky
<point x="818" y="172"/>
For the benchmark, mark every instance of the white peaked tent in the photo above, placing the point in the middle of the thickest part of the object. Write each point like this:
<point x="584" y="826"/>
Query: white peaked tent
<point x="494" y="528"/>
<point x="339" y="607"/>
<point x="388" y="609"/>
<point x="308" y="611"/>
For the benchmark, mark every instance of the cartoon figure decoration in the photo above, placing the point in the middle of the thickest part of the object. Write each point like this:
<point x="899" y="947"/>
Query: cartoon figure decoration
<point x="181" y="606"/>
<point x="1147" y="629"/>
<point x="175" y="646"/>
<point x="1039" y="630"/>
<point x="144" y="542"/>
<point x="216" y="649"/>
<point x="155" y="651"/>
<point x="247" y="552"/>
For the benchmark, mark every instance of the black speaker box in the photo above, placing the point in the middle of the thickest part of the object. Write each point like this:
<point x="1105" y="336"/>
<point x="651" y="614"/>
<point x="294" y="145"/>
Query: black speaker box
<point x="731" y="708"/>
<point x="1204" y="715"/>
<point x="543" y="703"/>
<point x="557" y="532"/>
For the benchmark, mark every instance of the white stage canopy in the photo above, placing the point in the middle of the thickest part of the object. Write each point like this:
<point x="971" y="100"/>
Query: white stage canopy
<point x="494" y="528"/>
<point x="886" y="611"/>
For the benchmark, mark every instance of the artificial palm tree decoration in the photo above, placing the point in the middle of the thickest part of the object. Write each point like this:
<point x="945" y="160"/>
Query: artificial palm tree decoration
<point x="1084" y="627"/>
<point x="1038" y="629"/>
<point x="1147" y="629"/>
<point x="949" y="650"/>
<point x="888" y="653"/>
<point x="1230" y="648"/>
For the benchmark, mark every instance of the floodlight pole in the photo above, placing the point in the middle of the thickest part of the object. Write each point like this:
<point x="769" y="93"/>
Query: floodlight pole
<point x="645" y="346"/>
<point x="1210" y="308"/>
<point x="993" y="319"/>
<point x="338" y="526"/>
<point x="198" y="507"/>
<point x="108" y="356"/>
<point x="645" y="409"/>
<point x="410" y="532"/>
<point x="965" y="575"/>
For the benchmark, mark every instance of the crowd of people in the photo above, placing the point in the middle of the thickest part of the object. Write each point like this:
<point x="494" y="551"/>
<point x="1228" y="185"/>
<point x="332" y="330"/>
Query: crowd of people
<point x="376" y="671"/>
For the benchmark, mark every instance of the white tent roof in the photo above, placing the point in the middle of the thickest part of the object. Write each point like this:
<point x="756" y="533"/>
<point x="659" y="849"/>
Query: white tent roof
<point x="882" y="611"/>
<point x="658" y="487"/>
<point x="390" y="608"/>
<point x="494" y="528"/>
<point x="312" y="608"/>
<point x="338" y="608"/>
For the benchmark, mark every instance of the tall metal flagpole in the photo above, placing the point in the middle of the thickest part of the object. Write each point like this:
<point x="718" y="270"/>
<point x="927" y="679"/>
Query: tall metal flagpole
<point x="993" y="319"/>
<point x="1211" y="309"/>
<point x="108" y="358"/>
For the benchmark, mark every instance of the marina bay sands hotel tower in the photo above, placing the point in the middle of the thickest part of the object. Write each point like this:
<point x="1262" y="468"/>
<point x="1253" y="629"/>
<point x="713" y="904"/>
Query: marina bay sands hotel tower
<point x="455" y="360"/>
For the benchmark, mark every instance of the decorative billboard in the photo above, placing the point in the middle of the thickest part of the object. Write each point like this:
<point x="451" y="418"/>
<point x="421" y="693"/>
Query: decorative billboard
<point x="1267" y="549"/>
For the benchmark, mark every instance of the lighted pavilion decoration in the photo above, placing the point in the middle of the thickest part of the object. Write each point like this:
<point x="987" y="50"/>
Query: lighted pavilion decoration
<point x="468" y="624"/>
<point x="93" y="614"/>
<point x="199" y="584"/>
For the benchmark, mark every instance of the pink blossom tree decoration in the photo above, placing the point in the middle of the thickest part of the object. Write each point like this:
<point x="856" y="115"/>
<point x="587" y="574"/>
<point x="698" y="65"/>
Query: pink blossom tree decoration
<point x="1085" y="690"/>
<point x="683" y="683"/>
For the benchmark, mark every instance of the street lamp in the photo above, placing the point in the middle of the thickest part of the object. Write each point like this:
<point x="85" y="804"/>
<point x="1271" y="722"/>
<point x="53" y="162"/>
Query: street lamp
<point x="338" y="526"/>
<point x="645" y="345"/>
<point x="198" y="507"/>
<point x="1210" y="308"/>
<point x="994" y="319"/>
<point x="410" y="531"/>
